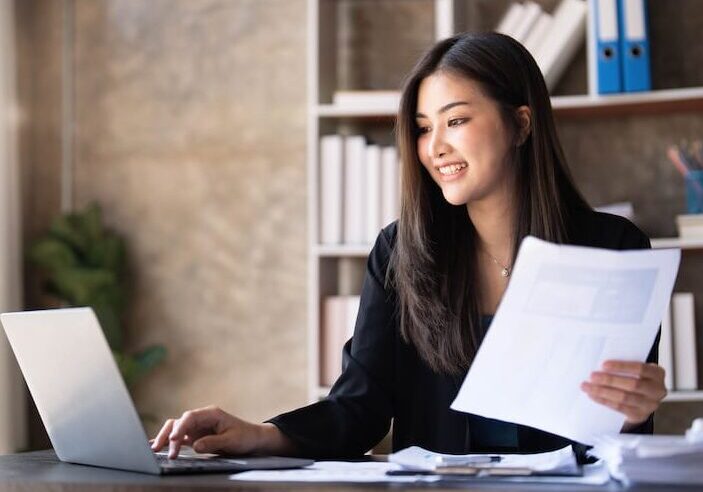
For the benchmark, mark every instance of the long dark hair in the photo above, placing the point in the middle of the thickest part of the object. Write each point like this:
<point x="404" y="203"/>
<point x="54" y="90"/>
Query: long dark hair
<point x="433" y="265"/>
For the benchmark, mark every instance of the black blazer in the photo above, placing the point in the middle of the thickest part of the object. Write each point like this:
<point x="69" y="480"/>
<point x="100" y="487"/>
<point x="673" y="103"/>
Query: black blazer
<point x="384" y="379"/>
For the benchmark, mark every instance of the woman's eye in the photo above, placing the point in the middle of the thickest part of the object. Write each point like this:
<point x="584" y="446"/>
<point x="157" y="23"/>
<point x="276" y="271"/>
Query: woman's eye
<point x="456" y="121"/>
<point x="423" y="129"/>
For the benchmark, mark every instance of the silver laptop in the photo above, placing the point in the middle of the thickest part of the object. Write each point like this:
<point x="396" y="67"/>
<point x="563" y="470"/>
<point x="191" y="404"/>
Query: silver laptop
<point x="84" y="403"/>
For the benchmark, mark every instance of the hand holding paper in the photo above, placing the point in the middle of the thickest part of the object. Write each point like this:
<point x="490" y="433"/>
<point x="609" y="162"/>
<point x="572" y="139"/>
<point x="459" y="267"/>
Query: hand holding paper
<point x="566" y="311"/>
<point x="629" y="387"/>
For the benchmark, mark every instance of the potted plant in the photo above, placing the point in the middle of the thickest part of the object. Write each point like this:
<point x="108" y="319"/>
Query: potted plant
<point x="85" y="266"/>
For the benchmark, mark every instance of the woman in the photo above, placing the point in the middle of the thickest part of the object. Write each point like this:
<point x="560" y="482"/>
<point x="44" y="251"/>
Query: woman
<point x="481" y="169"/>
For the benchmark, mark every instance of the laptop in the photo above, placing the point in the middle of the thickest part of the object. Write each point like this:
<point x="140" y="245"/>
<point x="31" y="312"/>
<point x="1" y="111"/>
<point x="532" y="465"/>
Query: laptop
<point x="84" y="403"/>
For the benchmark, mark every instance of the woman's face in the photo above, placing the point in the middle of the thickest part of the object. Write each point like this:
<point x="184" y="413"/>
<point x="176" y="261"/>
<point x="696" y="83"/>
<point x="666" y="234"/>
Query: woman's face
<point x="462" y="141"/>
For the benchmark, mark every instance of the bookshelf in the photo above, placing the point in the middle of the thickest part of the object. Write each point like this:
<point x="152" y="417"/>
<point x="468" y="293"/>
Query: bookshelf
<point x="651" y="102"/>
<point x="324" y="117"/>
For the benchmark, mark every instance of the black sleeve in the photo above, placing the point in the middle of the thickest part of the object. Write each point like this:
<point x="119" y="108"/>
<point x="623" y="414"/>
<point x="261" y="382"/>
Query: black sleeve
<point x="636" y="239"/>
<point x="357" y="413"/>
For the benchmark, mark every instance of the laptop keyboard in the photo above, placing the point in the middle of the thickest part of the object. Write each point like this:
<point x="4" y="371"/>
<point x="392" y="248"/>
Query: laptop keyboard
<point x="194" y="464"/>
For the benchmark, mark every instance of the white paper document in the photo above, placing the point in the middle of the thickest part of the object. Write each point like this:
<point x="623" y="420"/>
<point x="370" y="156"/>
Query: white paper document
<point x="417" y="458"/>
<point x="335" y="471"/>
<point x="566" y="310"/>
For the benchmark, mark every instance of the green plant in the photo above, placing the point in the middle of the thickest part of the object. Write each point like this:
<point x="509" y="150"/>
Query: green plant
<point x="85" y="266"/>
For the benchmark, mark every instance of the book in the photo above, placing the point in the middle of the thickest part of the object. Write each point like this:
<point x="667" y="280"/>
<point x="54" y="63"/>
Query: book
<point x="666" y="350"/>
<point x="390" y="186"/>
<point x="537" y="34"/>
<point x="331" y="191"/>
<point x="354" y="197"/>
<point x="508" y="24"/>
<point x="684" y="328"/>
<point x="562" y="41"/>
<point x="530" y="14"/>
<point x="373" y="192"/>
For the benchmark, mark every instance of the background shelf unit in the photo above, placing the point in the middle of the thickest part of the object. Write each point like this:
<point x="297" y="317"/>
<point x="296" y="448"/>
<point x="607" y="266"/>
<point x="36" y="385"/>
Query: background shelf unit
<point x="683" y="396"/>
<point x="658" y="101"/>
<point x="362" y="250"/>
<point x="323" y="260"/>
<point x="325" y="117"/>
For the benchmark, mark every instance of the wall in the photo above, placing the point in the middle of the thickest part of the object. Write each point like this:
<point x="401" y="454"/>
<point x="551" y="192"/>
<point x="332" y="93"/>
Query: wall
<point x="190" y="132"/>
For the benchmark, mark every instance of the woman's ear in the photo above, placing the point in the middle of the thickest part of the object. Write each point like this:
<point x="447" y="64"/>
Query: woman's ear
<point x="523" y="117"/>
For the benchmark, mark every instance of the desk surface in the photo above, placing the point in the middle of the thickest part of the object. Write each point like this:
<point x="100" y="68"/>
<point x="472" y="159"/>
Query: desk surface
<point x="42" y="471"/>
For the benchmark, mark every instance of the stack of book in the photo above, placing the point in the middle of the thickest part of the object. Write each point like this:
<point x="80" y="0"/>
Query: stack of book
<point x="552" y="39"/>
<point x="359" y="189"/>
<point x="677" y="347"/>
<point x="618" y="49"/>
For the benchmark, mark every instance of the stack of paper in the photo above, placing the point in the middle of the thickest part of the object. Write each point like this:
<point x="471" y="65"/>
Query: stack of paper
<point x="419" y="465"/>
<point x="652" y="459"/>
<point x="549" y="467"/>
<point x="419" y="459"/>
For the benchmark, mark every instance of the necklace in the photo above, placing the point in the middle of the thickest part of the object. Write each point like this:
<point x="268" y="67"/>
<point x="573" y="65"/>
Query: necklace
<point x="505" y="270"/>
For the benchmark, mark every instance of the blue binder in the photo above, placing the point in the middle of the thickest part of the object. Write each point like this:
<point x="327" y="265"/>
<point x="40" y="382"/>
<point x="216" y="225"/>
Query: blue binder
<point x="606" y="29"/>
<point x="634" y="46"/>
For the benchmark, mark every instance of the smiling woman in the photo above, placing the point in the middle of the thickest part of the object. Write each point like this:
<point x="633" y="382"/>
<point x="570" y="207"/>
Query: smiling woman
<point x="482" y="168"/>
<point x="477" y="101"/>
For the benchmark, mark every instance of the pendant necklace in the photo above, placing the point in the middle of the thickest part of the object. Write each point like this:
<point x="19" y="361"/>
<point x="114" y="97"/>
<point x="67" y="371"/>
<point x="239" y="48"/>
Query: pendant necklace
<point x="505" y="270"/>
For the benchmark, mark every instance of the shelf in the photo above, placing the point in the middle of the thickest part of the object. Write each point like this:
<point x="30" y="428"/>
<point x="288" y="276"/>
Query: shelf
<point x="677" y="242"/>
<point x="337" y="111"/>
<point x="684" y="396"/>
<point x="661" y="101"/>
<point x="343" y="250"/>
<point x="362" y="250"/>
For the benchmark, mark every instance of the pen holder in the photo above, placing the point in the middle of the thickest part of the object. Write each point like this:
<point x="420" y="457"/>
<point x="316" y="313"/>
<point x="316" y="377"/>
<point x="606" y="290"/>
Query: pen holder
<point x="694" y="192"/>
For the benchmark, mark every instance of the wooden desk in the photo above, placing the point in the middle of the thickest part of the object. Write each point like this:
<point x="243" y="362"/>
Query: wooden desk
<point x="41" y="471"/>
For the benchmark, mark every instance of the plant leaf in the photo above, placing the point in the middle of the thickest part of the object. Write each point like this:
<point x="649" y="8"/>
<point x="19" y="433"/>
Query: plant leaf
<point x="78" y="285"/>
<point x="52" y="254"/>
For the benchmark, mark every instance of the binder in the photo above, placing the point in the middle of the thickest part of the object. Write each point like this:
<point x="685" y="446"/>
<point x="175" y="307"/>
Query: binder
<point x="606" y="61"/>
<point x="634" y="46"/>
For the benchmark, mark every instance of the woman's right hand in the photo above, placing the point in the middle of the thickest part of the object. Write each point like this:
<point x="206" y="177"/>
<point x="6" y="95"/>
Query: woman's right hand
<point x="212" y="430"/>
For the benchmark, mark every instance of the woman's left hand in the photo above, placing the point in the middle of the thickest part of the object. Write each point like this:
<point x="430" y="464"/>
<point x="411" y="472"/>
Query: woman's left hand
<point x="632" y="388"/>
